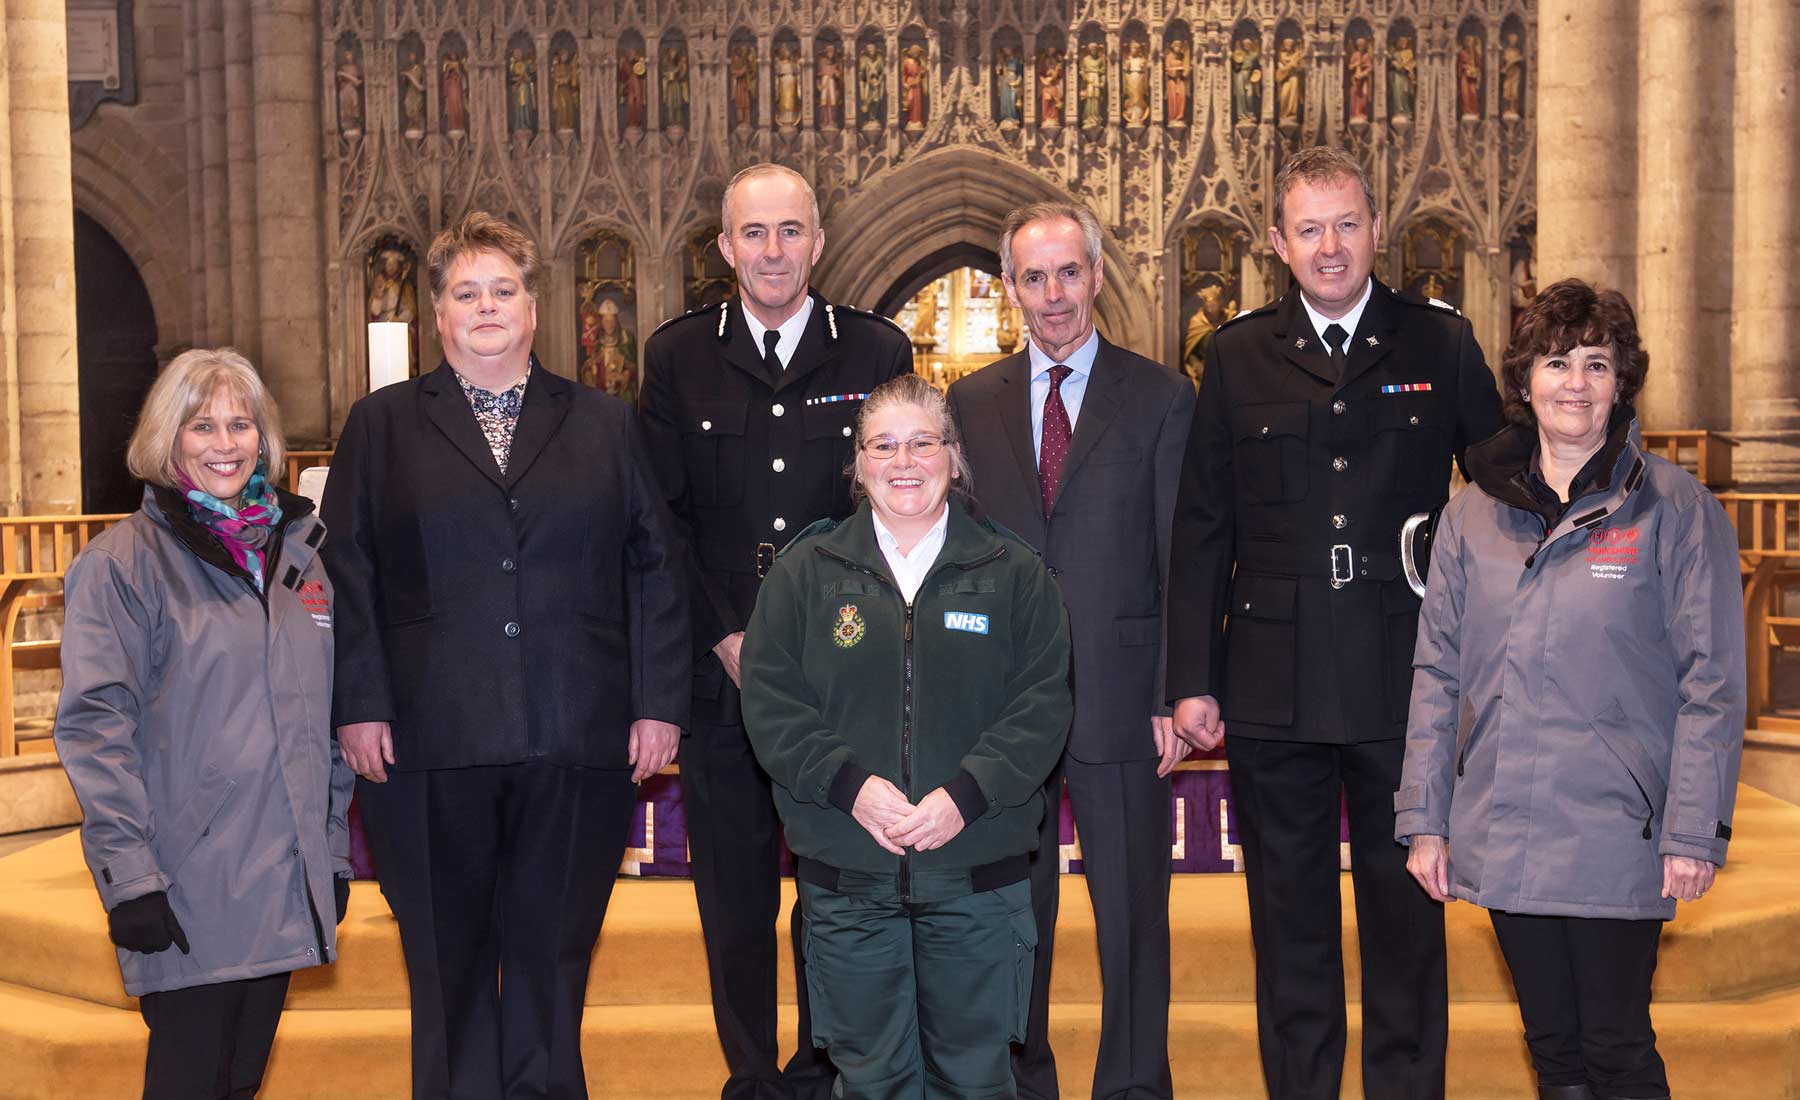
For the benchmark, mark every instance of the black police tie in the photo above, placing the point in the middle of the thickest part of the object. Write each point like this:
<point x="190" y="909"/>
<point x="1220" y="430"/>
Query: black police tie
<point x="771" y="361"/>
<point x="1334" y="345"/>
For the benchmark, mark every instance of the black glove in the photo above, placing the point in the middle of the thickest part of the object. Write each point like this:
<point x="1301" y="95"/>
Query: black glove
<point x="146" y="924"/>
<point x="340" y="889"/>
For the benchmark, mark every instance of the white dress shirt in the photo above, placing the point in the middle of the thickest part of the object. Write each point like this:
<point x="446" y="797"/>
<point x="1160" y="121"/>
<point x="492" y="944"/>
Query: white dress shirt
<point x="1080" y="363"/>
<point x="791" y="330"/>
<point x="1349" y="320"/>
<point x="910" y="569"/>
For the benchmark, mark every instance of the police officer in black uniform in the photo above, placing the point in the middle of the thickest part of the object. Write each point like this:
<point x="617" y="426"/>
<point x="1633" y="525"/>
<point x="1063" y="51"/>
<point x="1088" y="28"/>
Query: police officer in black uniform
<point x="749" y="411"/>
<point x="1324" y="420"/>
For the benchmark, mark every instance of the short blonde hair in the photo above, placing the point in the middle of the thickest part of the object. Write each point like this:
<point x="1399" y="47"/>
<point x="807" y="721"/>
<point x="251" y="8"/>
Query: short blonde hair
<point x="188" y="385"/>
<point x="480" y="231"/>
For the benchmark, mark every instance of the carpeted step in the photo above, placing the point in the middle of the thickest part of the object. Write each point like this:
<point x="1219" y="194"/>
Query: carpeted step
<point x="1741" y="940"/>
<point x="58" y="1048"/>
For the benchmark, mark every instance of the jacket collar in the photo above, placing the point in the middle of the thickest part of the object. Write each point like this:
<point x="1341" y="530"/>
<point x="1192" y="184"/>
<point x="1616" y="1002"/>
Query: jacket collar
<point x="818" y="343"/>
<point x="968" y="542"/>
<point x="166" y="508"/>
<point x="547" y="399"/>
<point x="1298" y="342"/>
<point x="1100" y="405"/>
<point x="1501" y="466"/>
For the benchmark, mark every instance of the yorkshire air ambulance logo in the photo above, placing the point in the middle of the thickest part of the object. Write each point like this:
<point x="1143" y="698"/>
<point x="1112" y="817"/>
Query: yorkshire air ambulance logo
<point x="849" y="628"/>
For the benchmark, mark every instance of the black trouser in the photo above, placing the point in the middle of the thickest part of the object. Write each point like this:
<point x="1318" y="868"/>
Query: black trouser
<point x="492" y="870"/>
<point x="1122" y="819"/>
<point x="1285" y="796"/>
<point x="1584" y="995"/>
<point x="211" y="1042"/>
<point x="734" y="844"/>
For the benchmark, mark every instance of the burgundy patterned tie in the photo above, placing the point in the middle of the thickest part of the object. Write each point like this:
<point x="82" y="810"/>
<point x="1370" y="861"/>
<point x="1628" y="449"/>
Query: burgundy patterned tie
<point x="1053" y="448"/>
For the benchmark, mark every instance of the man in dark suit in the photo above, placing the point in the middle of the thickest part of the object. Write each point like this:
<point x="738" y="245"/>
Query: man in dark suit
<point x="1084" y="467"/>
<point x="749" y="410"/>
<point x="1324" y="420"/>
<point x="512" y="630"/>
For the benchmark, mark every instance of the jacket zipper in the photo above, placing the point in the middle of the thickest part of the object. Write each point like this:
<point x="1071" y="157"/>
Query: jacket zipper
<point x="1649" y="810"/>
<point x="906" y="714"/>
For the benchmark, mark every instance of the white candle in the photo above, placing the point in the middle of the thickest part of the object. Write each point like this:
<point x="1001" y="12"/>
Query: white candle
<point x="388" y="353"/>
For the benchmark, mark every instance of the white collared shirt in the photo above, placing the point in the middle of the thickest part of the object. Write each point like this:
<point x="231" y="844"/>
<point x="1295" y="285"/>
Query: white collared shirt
<point x="910" y="569"/>
<point x="790" y="330"/>
<point x="1080" y="363"/>
<point x="1348" y="321"/>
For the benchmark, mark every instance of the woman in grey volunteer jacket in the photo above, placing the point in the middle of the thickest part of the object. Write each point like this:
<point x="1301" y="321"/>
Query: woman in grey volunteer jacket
<point x="1583" y="623"/>
<point x="194" y="724"/>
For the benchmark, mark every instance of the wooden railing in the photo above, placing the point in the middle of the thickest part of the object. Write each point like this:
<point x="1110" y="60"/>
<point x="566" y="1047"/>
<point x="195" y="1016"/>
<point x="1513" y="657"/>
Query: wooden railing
<point x="1706" y="455"/>
<point x="35" y="551"/>
<point x="300" y="460"/>
<point x="1768" y="528"/>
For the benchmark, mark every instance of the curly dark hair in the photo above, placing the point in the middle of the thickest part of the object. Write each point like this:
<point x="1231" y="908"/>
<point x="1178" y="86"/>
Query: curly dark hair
<point x="1565" y="315"/>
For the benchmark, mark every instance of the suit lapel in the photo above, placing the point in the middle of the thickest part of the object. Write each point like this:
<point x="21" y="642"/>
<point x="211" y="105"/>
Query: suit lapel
<point x="1375" y="334"/>
<point x="1099" y="408"/>
<point x="1298" y="342"/>
<point x="1012" y="410"/>
<point x="546" y="403"/>
<point x="448" y="410"/>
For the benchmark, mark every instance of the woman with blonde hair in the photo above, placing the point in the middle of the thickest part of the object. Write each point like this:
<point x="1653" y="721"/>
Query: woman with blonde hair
<point x="194" y="725"/>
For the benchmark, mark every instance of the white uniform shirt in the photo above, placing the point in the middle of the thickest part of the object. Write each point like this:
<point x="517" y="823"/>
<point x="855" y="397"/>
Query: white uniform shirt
<point x="911" y="569"/>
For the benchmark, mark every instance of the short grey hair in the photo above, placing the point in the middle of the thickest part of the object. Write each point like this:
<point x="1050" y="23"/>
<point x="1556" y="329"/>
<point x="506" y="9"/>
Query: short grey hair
<point x="1319" y="164"/>
<point x="185" y="387"/>
<point x="1048" y="211"/>
<point x="756" y="171"/>
<point x="911" y="389"/>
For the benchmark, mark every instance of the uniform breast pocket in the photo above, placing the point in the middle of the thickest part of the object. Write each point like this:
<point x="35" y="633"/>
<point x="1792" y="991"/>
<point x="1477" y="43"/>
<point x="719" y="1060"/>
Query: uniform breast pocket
<point x="830" y="431"/>
<point x="712" y="441"/>
<point x="1269" y="451"/>
<point x="1410" y="437"/>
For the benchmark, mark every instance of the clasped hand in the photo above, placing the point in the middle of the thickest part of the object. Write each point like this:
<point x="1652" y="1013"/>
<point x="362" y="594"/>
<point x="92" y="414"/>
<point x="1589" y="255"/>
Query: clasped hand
<point x="897" y="824"/>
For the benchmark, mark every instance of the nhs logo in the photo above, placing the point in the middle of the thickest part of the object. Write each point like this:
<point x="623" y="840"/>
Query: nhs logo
<point x="964" y="620"/>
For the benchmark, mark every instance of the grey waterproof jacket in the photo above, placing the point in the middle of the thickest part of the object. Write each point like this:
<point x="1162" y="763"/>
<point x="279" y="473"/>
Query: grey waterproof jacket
<point x="1595" y="674"/>
<point x="194" y="724"/>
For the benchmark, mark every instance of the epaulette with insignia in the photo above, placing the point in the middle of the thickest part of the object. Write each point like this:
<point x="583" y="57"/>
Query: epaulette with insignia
<point x="1419" y="300"/>
<point x="852" y="311"/>
<point x="690" y="315"/>
<point x="1243" y="313"/>
<point x="816" y="527"/>
<point x="1441" y="304"/>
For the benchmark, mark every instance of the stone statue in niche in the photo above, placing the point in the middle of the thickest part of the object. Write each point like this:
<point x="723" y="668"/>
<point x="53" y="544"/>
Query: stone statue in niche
<point x="453" y="89"/>
<point x="565" y="91"/>
<point x="1290" y="71"/>
<point x="674" y="90"/>
<point x="633" y="71"/>
<point x="1359" y="72"/>
<point x="1468" y="77"/>
<point x="1050" y="88"/>
<point x="349" y="94"/>
<point x="828" y="78"/>
<point x="1178" y="69"/>
<point x="1403" y="71"/>
<point x="521" y="90"/>
<point x="1246" y="79"/>
<point x="1523" y="278"/>
<point x="741" y="71"/>
<point x="412" y="96"/>
<point x="912" y="86"/>
<point x="871" y="86"/>
<point x="1093" y="85"/>
<point x="1512" y="77"/>
<point x="787" y="86"/>
<point x="1210" y="312"/>
<point x="608" y="350"/>
<point x="393" y="295"/>
<point x="1134" y="82"/>
<point x="1009" y="88"/>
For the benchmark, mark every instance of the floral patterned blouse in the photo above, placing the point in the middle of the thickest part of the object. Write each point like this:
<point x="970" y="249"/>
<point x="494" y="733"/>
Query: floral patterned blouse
<point x="496" y="413"/>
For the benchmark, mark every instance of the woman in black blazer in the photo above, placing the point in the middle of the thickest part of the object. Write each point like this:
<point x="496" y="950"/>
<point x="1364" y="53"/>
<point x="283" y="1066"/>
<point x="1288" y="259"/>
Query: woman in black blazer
<point x="512" y="657"/>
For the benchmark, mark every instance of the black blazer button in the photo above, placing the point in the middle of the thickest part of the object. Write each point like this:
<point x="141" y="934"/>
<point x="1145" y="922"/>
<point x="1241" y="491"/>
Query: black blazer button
<point x="512" y="630"/>
<point x="507" y="565"/>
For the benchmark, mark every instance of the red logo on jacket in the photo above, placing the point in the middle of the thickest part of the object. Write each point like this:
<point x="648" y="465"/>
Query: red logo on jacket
<point x="1612" y="551"/>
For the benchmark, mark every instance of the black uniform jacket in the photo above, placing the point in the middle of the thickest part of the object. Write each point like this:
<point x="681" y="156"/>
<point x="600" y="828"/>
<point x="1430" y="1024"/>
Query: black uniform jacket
<point x="1288" y="469"/>
<point x="497" y="619"/>
<point x="1106" y="540"/>
<point x="748" y="461"/>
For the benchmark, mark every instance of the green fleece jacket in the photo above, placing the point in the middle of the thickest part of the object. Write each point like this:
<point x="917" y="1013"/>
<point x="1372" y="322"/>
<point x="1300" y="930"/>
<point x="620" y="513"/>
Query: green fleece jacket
<point x="966" y="689"/>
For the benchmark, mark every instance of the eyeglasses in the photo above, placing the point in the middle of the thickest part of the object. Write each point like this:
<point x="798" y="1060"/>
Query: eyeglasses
<point x="882" y="448"/>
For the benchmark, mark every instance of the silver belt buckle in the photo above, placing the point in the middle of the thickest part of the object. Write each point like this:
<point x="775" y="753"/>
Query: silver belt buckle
<point x="1343" y="565"/>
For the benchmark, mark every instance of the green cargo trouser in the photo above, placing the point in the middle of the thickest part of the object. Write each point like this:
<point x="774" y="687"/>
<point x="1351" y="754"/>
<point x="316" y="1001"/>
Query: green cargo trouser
<point x="918" y="1001"/>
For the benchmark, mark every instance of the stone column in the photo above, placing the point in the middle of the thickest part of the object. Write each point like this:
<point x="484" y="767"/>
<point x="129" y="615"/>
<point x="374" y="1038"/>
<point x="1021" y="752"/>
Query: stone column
<point x="37" y="263"/>
<point x="214" y="222"/>
<point x="1587" y="130"/>
<point x="1684" y="68"/>
<point x="1765" y="345"/>
<point x="239" y="198"/>
<point x="289" y="183"/>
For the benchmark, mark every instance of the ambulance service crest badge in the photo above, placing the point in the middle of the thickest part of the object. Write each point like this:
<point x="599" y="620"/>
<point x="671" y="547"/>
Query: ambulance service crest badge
<point x="849" y="628"/>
